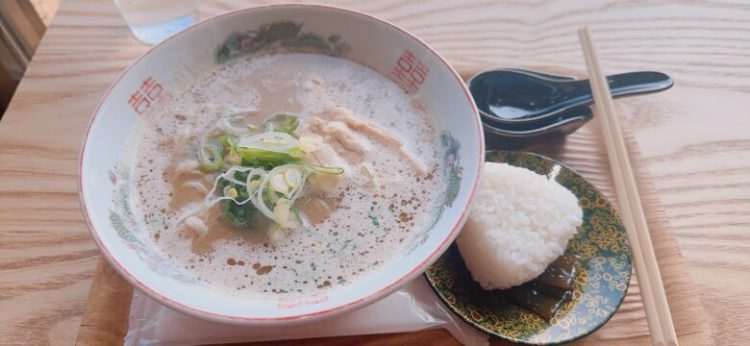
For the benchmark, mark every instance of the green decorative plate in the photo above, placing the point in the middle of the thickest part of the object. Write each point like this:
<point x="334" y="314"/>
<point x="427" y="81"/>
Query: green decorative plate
<point x="603" y="278"/>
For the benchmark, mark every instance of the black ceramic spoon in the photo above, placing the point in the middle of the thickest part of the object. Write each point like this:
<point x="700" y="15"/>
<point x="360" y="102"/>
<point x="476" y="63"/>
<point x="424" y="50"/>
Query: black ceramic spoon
<point x="511" y="96"/>
<point x="513" y="136"/>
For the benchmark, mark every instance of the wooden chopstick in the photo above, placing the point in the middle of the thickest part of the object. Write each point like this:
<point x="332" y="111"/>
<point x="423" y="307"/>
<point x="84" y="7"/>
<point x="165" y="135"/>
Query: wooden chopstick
<point x="652" y="289"/>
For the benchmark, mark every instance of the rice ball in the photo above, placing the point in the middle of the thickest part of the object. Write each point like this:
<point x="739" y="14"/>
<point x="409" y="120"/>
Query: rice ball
<point x="520" y="223"/>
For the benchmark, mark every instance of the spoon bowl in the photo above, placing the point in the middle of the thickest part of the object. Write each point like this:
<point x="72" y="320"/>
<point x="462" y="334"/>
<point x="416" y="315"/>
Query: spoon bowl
<point x="510" y="136"/>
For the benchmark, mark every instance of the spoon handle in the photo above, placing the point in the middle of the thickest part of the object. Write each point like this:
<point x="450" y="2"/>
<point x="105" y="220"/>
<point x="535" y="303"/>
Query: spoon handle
<point x="635" y="83"/>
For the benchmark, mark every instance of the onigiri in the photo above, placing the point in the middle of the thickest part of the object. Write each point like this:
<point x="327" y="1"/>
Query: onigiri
<point x="519" y="223"/>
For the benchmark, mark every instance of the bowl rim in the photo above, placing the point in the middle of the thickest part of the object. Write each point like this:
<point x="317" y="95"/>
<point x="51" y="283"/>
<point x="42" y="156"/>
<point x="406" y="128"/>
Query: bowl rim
<point x="320" y="313"/>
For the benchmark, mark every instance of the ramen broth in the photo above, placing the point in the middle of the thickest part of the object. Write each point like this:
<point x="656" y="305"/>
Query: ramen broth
<point x="349" y="224"/>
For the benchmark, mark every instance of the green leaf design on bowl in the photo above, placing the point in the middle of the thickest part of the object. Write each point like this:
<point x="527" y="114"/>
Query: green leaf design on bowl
<point x="279" y="36"/>
<point x="453" y="166"/>
<point x="453" y="176"/>
<point x="132" y="232"/>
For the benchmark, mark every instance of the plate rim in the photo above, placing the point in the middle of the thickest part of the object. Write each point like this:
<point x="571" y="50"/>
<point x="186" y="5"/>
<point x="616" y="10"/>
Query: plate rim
<point x="478" y="327"/>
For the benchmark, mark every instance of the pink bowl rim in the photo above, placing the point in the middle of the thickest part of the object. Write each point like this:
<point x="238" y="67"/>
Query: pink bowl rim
<point x="310" y="316"/>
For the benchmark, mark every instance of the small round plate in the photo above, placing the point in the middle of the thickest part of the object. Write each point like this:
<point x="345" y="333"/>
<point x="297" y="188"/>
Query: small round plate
<point x="601" y="245"/>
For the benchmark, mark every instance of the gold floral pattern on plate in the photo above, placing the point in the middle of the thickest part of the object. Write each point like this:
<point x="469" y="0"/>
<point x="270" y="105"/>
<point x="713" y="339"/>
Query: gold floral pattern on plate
<point x="601" y="245"/>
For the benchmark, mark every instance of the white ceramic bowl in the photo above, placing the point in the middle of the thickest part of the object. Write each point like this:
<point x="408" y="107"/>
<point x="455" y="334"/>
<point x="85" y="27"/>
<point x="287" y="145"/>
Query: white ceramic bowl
<point x="171" y="67"/>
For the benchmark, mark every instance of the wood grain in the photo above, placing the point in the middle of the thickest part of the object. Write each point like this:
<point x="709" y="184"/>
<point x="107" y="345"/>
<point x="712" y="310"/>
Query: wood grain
<point x="694" y="138"/>
<point x="658" y="315"/>
<point x="102" y="323"/>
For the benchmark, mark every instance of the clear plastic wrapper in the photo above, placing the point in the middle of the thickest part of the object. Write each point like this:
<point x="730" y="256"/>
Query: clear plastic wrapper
<point x="412" y="308"/>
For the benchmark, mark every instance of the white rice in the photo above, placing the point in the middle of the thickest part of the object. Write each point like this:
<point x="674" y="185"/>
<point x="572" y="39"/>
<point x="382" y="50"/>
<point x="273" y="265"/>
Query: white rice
<point x="519" y="224"/>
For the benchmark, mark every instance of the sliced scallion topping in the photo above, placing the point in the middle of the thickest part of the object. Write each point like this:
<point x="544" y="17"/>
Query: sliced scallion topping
<point x="281" y="212"/>
<point x="325" y="170"/>
<point x="271" y="141"/>
<point x="292" y="177"/>
<point x="282" y="122"/>
<point x="210" y="156"/>
<point x="278" y="184"/>
<point x="310" y="143"/>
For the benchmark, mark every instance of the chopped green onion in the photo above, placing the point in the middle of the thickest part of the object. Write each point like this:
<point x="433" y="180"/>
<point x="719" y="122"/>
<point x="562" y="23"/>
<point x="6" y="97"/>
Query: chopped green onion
<point x="227" y="141"/>
<point x="264" y="158"/>
<point x="233" y="158"/>
<point x="264" y="173"/>
<point x="281" y="212"/>
<point x="253" y="185"/>
<point x="276" y="142"/>
<point x="268" y="150"/>
<point x="210" y="156"/>
<point x="278" y="184"/>
<point x="282" y="122"/>
<point x="325" y="170"/>
<point x="270" y="197"/>
<point x="310" y="143"/>
<point x="295" y="212"/>
<point x="240" y="216"/>
<point x="292" y="177"/>
<point x="234" y="124"/>
<point x="374" y="219"/>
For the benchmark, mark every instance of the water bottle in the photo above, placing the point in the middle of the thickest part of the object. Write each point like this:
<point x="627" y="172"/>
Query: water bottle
<point x="151" y="21"/>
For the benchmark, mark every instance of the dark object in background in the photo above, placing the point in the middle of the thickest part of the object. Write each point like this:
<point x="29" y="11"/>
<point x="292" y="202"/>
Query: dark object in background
<point x="21" y="29"/>
<point x="520" y="107"/>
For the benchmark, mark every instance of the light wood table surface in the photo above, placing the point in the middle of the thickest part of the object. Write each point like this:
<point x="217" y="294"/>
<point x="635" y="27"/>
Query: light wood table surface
<point x="694" y="138"/>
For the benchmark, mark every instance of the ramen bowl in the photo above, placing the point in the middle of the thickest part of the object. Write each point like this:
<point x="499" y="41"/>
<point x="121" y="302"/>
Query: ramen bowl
<point x="172" y="66"/>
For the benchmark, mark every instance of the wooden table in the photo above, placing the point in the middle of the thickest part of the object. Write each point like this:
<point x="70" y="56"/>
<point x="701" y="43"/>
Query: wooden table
<point x="695" y="138"/>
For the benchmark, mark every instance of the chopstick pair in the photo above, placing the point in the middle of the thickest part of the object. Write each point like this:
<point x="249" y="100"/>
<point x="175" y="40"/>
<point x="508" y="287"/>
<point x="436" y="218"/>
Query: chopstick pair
<point x="652" y="289"/>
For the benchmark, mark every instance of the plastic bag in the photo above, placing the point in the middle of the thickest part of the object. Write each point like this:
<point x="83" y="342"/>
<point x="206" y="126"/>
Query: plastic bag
<point x="412" y="308"/>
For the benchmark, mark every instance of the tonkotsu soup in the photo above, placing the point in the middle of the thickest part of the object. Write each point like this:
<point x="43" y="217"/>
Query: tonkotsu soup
<point x="286" y="174"/>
